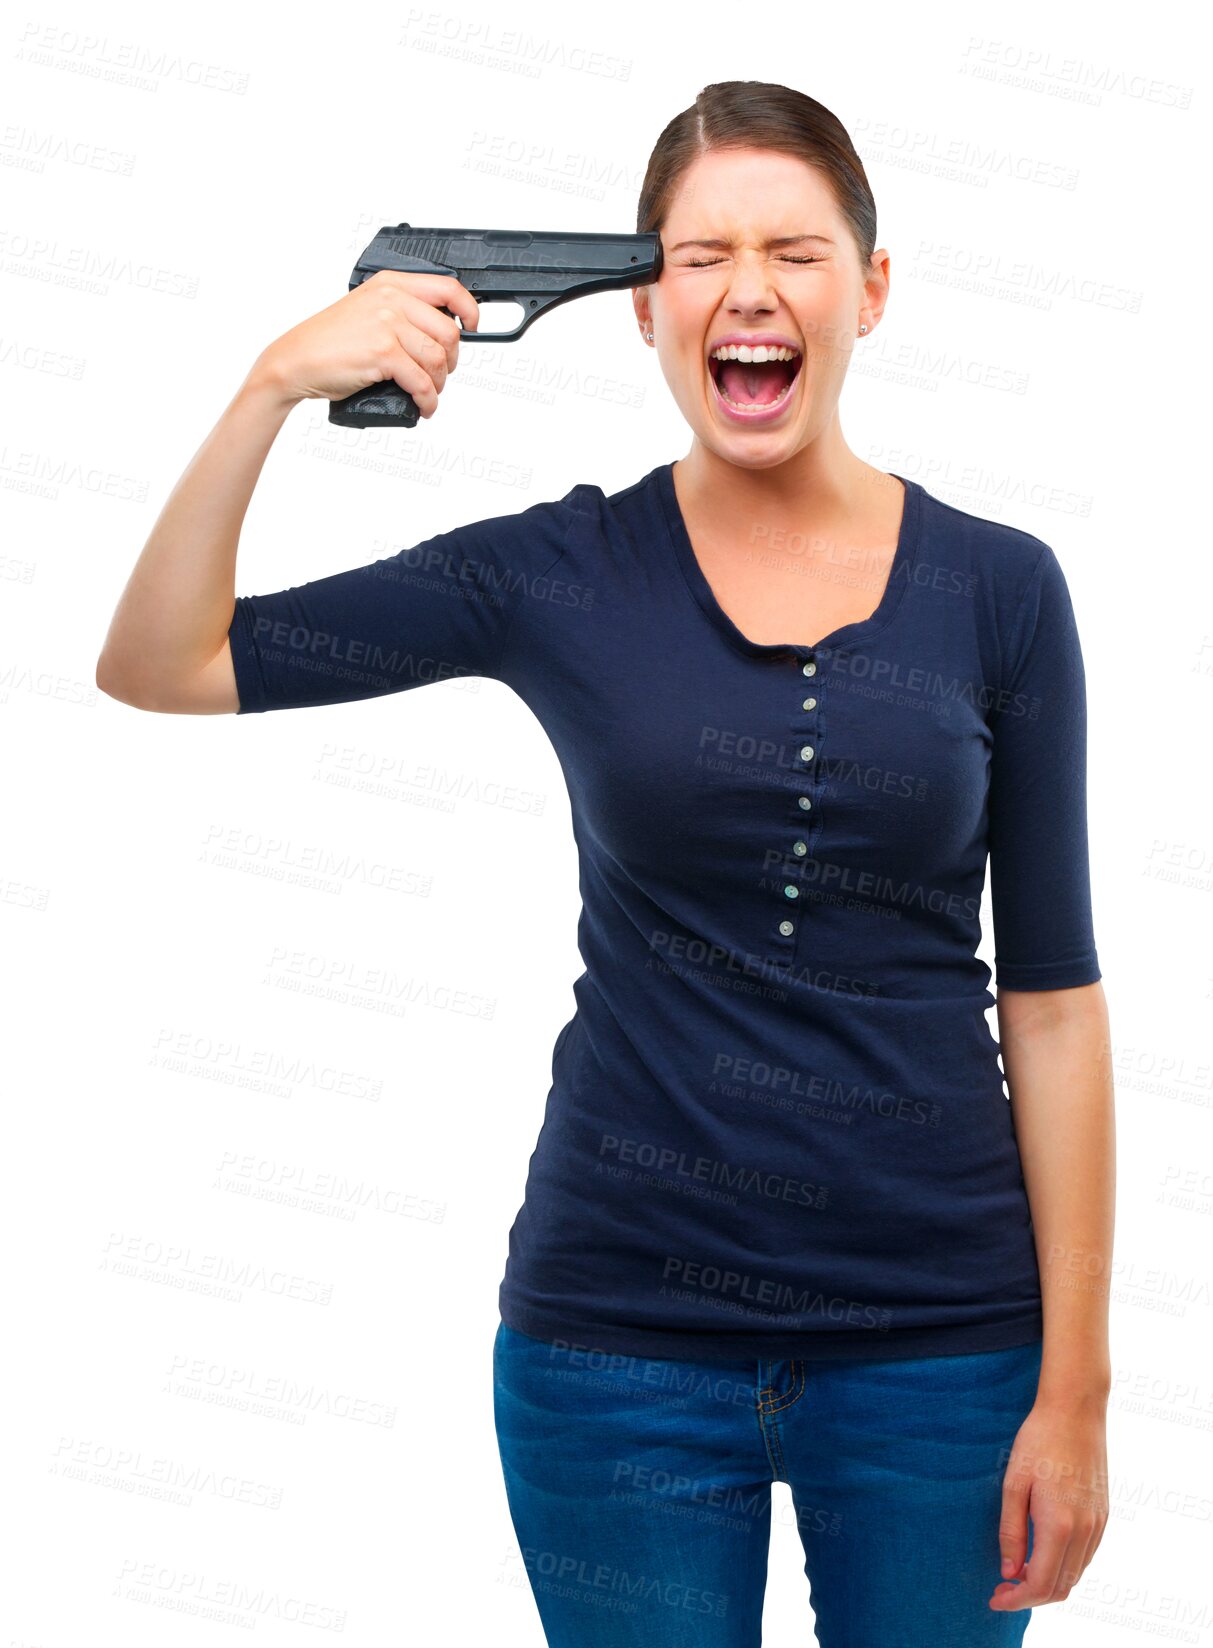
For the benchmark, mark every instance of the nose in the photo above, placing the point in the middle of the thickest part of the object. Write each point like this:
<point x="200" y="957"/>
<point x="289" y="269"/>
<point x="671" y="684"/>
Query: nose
<point x="751" y="291"/>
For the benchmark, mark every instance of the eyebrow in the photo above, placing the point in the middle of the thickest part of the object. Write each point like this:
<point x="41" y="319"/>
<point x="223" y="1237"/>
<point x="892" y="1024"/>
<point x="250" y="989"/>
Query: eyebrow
<point x="723" y="245"/>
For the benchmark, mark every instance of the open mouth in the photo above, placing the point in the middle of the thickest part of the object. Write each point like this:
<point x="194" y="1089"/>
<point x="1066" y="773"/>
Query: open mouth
<point x="754" y="386"/>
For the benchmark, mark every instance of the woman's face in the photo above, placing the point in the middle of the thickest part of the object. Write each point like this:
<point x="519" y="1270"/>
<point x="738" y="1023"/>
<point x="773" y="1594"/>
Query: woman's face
<point x="747" y="285"/>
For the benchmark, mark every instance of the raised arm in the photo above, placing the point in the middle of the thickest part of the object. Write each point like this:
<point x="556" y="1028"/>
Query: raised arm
<point x="167" y="648"/>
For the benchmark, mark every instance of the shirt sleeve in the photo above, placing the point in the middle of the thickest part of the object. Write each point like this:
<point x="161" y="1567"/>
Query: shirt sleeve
<point x="438" y="609"/>
<point x="1040" y="885"/>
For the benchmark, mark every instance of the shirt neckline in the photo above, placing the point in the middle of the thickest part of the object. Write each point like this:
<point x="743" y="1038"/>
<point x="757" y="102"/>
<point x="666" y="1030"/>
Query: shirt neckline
<point x="860" y="630"/>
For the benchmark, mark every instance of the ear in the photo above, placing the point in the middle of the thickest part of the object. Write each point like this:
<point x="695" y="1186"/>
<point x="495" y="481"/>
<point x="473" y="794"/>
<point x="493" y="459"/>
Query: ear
<point x="876" y="287"/>
<point x="640" y="303"/>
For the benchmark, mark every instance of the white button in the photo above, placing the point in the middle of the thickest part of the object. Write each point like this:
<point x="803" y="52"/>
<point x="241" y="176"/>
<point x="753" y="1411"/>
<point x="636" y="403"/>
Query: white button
<point x="799" y="848"/>
<point x="808" y="669"/>
<point x="806" y="752"/>
<point x="787" y="927"/>
<point x="804" y="802"/>
<point x="809" y="704"/>
<point x="791" y="892"/>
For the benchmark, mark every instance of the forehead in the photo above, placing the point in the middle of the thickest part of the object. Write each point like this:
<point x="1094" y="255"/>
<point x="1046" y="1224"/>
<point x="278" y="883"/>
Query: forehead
<point x="749" y="193"/>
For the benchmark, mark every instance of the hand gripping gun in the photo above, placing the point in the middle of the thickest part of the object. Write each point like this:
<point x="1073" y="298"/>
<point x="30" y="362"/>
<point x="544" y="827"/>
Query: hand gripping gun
<point x="535" y="268"/>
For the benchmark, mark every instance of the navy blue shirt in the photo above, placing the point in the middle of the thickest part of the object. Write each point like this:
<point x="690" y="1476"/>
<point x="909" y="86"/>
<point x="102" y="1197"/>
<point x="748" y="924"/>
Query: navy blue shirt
<point x="777" y="1125"/>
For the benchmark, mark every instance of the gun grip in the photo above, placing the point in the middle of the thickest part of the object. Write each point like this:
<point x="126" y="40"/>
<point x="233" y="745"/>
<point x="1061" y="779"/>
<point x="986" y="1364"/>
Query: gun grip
<point x="378" y="406"/>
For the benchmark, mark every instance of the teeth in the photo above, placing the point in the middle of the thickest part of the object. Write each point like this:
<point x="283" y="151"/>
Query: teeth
<point x="763" y="352"/>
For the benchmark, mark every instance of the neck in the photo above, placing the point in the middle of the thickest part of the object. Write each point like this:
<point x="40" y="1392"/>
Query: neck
<point x="824" y="482"/>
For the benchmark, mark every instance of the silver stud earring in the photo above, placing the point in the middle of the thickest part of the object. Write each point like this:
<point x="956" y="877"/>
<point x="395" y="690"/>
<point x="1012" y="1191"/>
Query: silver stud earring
<point x="649" y="335"/>
<point x="862" y="330"/>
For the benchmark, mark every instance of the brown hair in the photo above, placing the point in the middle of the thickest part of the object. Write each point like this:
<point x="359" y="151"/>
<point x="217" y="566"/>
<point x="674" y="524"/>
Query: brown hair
<point x="737" y="114"/>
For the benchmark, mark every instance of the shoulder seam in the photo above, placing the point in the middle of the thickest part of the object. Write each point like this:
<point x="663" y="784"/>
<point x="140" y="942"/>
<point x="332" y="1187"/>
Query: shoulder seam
<point x="1013" y="633"/>
<point x="633" y="486"/>
<point x="1000" y="528"/>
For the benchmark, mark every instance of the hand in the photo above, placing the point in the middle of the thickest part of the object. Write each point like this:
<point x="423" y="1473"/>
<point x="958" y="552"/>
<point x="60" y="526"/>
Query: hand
<point x="1057" y="1474"/>
<point x="391" y="327"/>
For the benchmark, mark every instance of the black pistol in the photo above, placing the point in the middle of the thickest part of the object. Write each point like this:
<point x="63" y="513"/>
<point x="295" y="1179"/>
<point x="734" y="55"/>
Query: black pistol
<point x="535" y="268"/>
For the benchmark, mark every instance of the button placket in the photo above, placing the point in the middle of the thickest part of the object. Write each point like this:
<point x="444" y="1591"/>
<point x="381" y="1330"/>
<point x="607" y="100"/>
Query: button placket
<point x="806" y="752"/>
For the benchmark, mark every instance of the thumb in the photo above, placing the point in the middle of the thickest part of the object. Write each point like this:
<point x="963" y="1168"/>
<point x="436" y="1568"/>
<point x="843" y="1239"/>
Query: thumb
<point x="1013" y="1525"/>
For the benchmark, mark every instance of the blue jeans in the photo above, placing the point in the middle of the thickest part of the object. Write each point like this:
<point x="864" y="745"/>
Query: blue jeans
<point x="640" y="1492"/>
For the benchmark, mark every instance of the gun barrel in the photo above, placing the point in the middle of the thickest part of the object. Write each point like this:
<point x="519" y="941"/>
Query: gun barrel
<point x="496" y="263"/>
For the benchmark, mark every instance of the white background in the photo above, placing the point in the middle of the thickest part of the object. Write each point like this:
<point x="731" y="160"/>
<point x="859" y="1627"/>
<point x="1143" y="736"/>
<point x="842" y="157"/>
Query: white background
<point x="179" y="189"/>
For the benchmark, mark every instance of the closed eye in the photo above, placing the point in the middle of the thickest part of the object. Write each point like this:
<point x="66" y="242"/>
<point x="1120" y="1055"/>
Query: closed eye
<point x="706" y="263"/>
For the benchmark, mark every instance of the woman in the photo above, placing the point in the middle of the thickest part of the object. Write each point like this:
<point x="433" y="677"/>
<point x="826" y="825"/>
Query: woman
<point x="781" y="1222"/>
